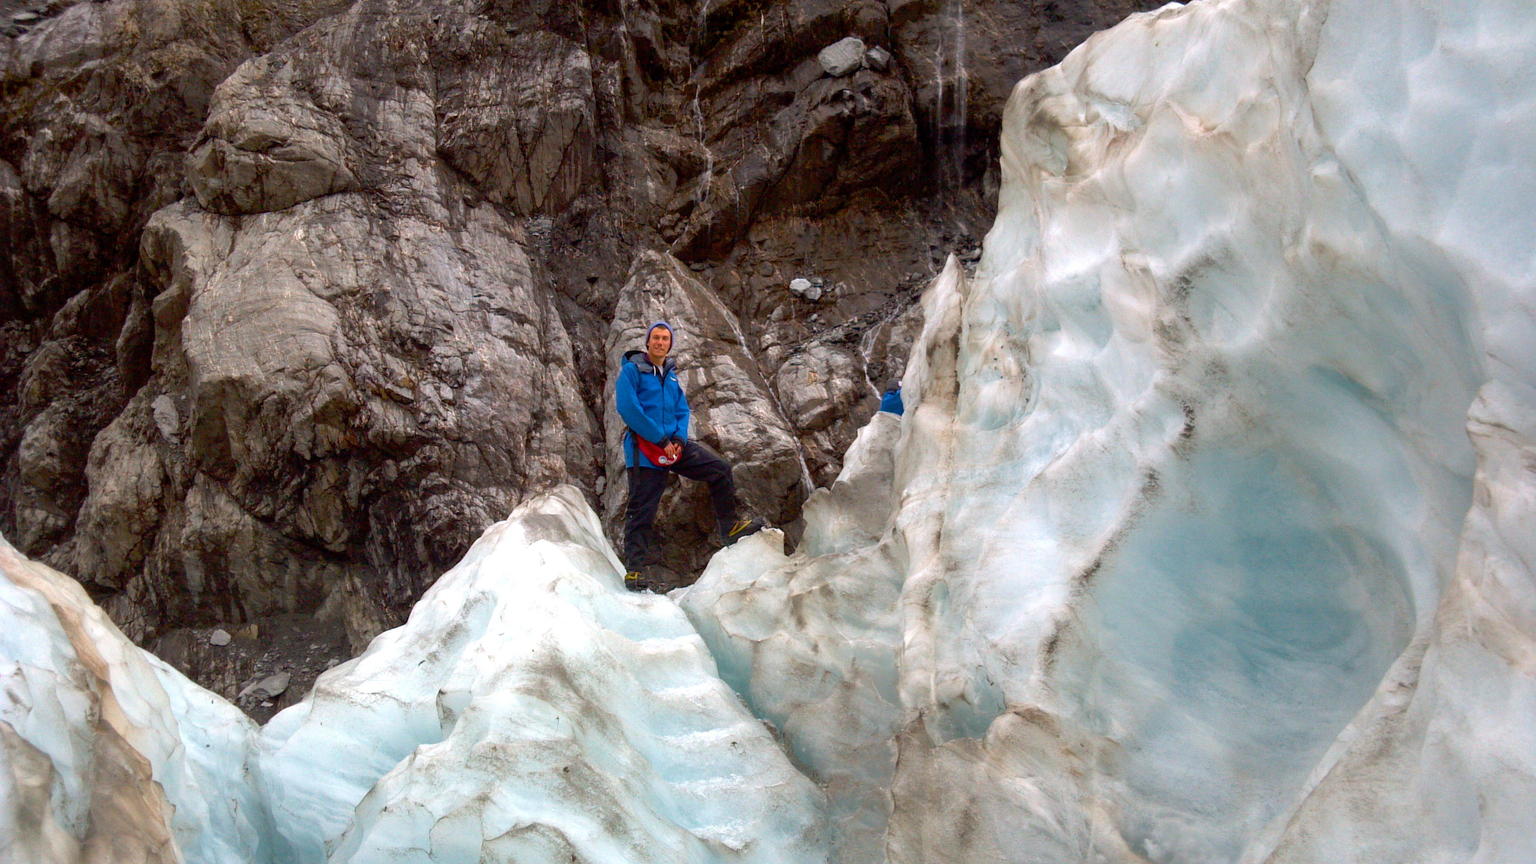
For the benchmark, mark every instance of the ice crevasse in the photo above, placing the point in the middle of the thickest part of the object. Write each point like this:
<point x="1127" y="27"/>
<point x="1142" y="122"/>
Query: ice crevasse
<point x="1206" y="538"/>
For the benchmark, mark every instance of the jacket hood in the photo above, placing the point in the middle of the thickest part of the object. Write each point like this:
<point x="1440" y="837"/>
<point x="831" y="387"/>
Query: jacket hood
<point x="643" y="361"/>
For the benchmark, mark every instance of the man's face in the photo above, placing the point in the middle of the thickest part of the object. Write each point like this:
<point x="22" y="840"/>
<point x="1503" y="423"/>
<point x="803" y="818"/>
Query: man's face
<point x="659" y="344"/>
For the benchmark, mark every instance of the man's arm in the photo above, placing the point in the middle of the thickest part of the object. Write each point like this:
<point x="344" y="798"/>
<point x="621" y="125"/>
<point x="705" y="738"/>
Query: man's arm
<point x="626" y="398"/>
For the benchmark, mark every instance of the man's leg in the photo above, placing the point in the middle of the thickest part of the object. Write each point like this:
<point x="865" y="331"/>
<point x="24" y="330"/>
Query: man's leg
<point x="700" y="463"/>
<point x="645" y="488"/>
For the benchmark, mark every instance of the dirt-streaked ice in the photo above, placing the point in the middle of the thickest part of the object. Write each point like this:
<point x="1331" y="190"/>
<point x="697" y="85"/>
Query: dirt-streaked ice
<point x="1207" y="511"/>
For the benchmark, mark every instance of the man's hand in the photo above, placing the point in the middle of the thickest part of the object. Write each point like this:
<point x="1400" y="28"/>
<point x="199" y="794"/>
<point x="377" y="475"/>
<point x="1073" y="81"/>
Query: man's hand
<point x="673" y="449"/>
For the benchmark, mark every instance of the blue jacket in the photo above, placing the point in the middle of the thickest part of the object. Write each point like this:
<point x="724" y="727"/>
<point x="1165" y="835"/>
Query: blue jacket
<point x="652" y="404"/>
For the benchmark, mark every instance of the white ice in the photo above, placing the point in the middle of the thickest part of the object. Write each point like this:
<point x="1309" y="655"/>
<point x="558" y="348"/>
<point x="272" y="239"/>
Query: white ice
<point x="530" y="710"/>
<point x="533" y="710"/>
<point x="1207" y="514"/>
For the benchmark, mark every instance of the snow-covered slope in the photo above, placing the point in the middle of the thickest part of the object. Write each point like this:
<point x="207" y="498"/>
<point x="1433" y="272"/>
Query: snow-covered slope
<point x="1206" y="538"/>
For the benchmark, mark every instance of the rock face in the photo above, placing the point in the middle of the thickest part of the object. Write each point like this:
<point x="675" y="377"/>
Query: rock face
<point x="297" y="298"/>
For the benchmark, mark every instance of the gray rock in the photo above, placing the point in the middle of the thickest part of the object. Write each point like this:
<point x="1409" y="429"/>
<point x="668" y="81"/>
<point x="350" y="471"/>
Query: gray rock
<point x="219" y="638"/>
<point x="878" y="59"/>
<point x="119" y="521"/>
<point x="829" y="387"/>
<point x="843" y="57"/>
<point x="166" y="419"/>
<point x="517" y="116"/>
<point x="827" y="139"/>
<point x="339" y="394"/>
<point x="808" y="289"/>
<point x="272" y="685"/>
<point x="266" y="148"/>
<point x="46" y="463"/>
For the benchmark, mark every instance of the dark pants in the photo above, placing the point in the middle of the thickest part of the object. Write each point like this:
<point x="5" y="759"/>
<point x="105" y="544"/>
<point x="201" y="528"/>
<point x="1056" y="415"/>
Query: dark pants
<point x="646" y="486"/>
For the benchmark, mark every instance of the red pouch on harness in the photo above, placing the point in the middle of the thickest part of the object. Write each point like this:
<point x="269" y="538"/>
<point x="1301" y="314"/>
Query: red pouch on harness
<point x="653" y="452"/>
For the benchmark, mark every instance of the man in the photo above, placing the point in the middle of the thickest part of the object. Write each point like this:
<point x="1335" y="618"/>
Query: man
<point x="655" y="412"/>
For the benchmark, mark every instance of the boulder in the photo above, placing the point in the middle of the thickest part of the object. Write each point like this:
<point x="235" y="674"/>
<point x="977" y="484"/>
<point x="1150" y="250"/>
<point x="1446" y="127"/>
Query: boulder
<point x="843" y="57"/>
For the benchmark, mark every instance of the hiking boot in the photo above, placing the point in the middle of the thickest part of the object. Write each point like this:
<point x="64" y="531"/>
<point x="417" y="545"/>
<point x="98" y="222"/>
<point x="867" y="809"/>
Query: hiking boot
<point x="742" y="528"/>
<point x="635" y="580"/>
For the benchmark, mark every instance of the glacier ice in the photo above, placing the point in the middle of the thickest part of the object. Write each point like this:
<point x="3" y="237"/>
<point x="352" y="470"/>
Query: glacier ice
<point x="811" y="642"/>
<point x="1205" y="538"/>
<point x="1197" y="559"/>
<point x="533" y="710"/>
<point x="530" y="709"/>
<point x="106" y="752"/>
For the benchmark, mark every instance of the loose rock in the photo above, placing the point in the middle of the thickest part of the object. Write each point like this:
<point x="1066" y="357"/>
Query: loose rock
<point x="272" y="685"/>
<point x="843" y="57"/>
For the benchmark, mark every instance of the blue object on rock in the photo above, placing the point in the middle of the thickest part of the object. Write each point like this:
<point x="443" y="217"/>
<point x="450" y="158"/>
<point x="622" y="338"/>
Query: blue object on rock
<point x="891" y="401"/>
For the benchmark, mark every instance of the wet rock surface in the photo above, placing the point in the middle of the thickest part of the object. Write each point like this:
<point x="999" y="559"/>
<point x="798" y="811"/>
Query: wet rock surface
<point x="297" y="298"/>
